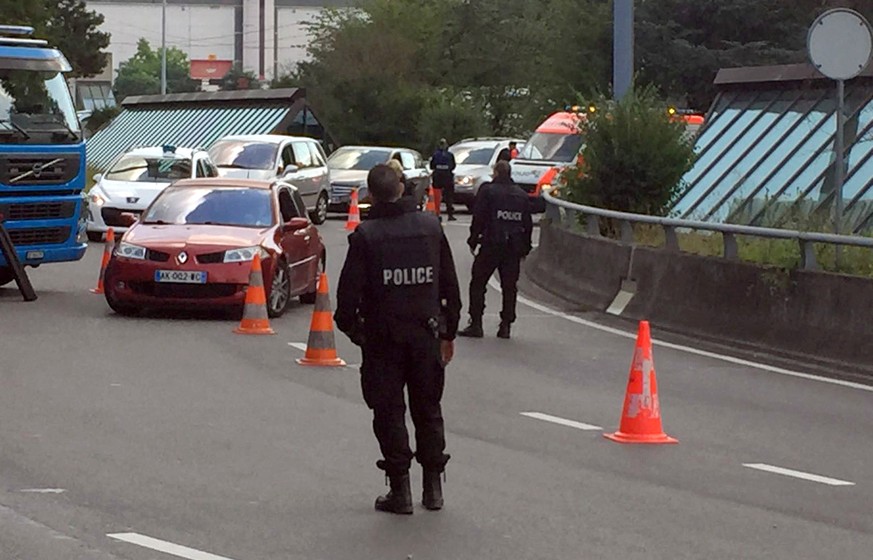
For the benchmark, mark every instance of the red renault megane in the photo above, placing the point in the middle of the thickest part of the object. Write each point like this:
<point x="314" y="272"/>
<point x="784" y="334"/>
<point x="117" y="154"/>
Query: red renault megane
<point x="194" y="246"/>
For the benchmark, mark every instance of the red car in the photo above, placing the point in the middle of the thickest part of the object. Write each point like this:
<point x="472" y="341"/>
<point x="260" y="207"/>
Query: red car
<point x="194" y="246"/>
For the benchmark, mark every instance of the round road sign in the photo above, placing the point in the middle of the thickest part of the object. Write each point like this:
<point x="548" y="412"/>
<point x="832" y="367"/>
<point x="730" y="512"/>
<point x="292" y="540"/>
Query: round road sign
<point x="840" y="43"/>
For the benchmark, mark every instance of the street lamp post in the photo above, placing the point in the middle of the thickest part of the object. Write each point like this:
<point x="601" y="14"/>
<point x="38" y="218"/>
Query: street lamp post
<point x="622" y="47"/>
<point x="164" y="47"/>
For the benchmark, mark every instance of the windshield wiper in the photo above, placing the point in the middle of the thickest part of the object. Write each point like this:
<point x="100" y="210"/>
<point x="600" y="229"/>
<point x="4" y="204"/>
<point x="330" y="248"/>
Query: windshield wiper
<point x="54" y="119"/>
<point x="156" y="223"/>
<point x="235" y="166"/>
<point x="13" y="127"/>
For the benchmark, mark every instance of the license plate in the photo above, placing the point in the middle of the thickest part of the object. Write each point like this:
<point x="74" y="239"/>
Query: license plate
<point x="180" y="276"/>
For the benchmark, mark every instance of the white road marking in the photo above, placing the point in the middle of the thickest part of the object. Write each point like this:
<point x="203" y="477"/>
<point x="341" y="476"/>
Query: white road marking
<point x="730" y="359"/>
<point x="798" y="474"/>
<point x="43" y="490"/>
<point x="562" y="421"/>
<point x="165" y="547"/>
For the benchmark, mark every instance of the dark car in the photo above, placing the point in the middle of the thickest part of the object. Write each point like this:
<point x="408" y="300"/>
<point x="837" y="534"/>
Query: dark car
<point x="194" y="246"/>
<point x="350" y="165"/>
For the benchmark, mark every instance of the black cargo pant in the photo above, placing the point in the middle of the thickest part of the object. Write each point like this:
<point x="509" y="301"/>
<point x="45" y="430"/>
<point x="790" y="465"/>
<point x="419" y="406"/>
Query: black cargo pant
<point x="508" y="264"/>
<point x="388" y="367"/>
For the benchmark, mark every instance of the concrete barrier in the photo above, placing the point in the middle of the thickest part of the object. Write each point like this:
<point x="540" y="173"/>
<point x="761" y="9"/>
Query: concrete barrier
<point x="822" y="316"/>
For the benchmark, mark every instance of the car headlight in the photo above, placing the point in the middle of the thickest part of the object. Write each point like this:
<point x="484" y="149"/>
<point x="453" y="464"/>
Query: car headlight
<point x="243" y="254"/>
<point x="97" y="198"/>
<point x="131" y="251"/>
<point x="465" y="180"/>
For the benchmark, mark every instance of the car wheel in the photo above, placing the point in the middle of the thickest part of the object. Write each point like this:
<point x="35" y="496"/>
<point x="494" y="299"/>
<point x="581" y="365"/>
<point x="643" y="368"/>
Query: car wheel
<point x="95" y="236"/>
<point x="280" y="290"/>
<point x="319" y="215"/>
<point x="309" y="297"/>
<point x="6" y="276"/>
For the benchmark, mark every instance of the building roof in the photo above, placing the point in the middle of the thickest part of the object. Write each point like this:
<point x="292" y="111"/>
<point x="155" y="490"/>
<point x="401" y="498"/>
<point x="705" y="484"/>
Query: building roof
<point x="197" y="120"/>
<point x="765" y="155"/>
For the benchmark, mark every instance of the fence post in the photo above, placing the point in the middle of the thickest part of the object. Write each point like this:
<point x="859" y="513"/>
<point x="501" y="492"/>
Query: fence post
<point x="807" y="255"/>
<point x="592" y="224"/>
<point x="731" y="251"/>
<point x="627" y="232"/>
<point x="671" y="241"/>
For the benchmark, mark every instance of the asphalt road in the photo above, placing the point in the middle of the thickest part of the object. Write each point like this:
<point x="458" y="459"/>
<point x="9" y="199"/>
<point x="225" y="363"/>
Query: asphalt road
<point x="184" y="440"/>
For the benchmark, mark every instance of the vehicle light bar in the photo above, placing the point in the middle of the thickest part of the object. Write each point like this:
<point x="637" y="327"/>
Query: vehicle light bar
<point x="16" y="30"/>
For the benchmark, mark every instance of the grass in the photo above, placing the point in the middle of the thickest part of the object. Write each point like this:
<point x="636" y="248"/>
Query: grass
<point x="780" y="253"/>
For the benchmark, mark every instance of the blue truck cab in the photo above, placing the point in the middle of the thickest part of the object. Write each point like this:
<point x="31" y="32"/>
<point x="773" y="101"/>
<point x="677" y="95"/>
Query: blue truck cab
<point x="42" y="153"/>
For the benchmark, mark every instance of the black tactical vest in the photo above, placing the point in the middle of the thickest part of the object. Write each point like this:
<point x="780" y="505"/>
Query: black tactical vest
<point x="507" y="205"/>
<point x="402" y="271"/>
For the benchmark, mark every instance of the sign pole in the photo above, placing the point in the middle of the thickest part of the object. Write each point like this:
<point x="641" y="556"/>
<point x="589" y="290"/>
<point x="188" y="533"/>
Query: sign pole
<point x="839" y="169"/>
<point x="164" y="47"/>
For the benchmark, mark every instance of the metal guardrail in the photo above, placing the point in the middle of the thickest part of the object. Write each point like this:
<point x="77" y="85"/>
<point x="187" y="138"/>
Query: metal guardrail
<point x="806" y="240"/>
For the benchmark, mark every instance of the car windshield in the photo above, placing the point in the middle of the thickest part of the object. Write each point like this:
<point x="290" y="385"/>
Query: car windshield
<point x="145" y="169"/>
<point x="548" y="146"/>
<point x="242" y="207"/>
<point x="473" y="155"/>
<point x="35" y="104"/>
<point x="357" y="159"/>
<point x="243" y="154"/>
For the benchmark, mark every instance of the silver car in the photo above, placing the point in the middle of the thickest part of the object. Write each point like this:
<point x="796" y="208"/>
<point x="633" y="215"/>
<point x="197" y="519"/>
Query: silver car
<point x="350" y="165"/>
<point x="474" y="161"/>
<point x="298" y="160"/>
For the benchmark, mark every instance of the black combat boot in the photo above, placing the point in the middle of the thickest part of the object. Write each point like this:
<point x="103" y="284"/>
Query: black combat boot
<point x="399" y="499"/>
<point x="503" y="331"/>
<point x="474" y="329"/>
<point x="432" y="496"/>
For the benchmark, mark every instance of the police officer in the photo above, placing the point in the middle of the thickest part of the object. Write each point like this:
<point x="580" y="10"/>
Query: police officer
<point x="442" y="162"/>
<point x="502" y="227"/>
<point x="398" y="299"/>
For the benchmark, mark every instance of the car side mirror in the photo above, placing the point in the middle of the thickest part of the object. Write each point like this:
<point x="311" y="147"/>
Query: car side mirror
<point x="97" y="178"/>
<point x="295" y="224"/>
<point x="290" y="168"/>
<point x="127" y="218"/>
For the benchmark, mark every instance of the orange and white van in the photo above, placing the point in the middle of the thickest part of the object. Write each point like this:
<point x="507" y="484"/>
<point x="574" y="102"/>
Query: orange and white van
<point x="555" y="144"/>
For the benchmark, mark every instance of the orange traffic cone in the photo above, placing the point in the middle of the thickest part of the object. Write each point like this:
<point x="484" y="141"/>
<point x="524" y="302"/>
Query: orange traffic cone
<point x="321" y="347"/>
<point x="255" y="320"/>
<point x="107" y="254"/>
<point x="641" y="416"/>
<point x="430" y="207"/>
<point x="437" y="201"/>
<point x="354" y="213"/>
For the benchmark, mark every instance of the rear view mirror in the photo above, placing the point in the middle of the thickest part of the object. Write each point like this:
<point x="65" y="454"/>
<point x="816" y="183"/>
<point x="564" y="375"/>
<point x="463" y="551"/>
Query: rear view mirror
<point x="97" y="177"/>
<point x="296" y="224"/>
<point x="291" y="168"/>
<point x="128" y="218"/>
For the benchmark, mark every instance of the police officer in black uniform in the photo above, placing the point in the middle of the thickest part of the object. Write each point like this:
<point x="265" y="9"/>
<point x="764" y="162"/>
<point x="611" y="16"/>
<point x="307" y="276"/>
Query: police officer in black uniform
<point x="502" y="226"/>
<point x="398" y="299"/>
<point x="442" y="162"/>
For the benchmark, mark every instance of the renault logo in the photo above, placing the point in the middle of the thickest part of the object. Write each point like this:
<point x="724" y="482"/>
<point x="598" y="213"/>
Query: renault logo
<point x="182" y="258"/>
<point x="132" y="199"/>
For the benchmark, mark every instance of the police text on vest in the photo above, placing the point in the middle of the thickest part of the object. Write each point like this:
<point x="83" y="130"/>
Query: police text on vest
<point x="509" y="216"/>
<point x="407" y="276"/>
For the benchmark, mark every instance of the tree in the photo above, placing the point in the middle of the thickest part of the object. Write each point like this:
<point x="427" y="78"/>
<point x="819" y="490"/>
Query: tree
<point x="141" y="74"/>
<point x="634" y="156"/>
<point x="238" y="79"/>
<point x="67" y="25"/>
<point x="73" y="29"/>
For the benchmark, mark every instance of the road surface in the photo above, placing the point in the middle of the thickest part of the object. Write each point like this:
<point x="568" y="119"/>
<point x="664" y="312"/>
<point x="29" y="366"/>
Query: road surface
<point x="164" y="437"/>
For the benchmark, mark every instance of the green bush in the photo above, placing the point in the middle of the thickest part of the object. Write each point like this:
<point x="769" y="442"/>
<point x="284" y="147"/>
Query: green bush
<point x="634" y="156"/>
<point x="100" y="117"/>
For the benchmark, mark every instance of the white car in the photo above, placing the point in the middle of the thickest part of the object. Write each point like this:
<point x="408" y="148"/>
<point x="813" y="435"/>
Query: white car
<point x="135" y="179"/>
<point x="474" y="163"/>
<point x="295" y="159"/>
